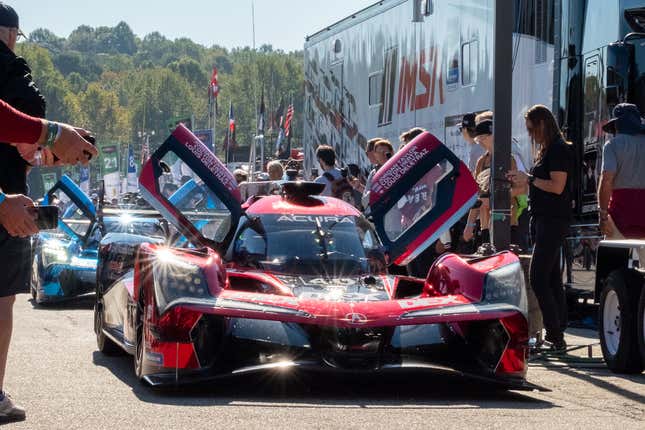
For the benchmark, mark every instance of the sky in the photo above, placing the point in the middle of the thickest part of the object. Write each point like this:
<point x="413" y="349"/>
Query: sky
<point x="281" y="23"/>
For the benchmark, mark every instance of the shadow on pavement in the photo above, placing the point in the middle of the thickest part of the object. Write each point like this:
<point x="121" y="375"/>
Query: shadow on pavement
<point x="74" y="303"/>
<point x="583" y="332"/>
<point x="411" y="390"/>
<point x="592" y="377"/>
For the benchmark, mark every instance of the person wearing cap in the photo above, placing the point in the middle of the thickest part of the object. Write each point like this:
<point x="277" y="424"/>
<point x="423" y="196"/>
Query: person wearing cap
<point x="550" y="206"/>
<point x="467" y="130"/>
<point x="484" y="138"/>
<point x="621" y="191"/>
<point x="16" y="219"/>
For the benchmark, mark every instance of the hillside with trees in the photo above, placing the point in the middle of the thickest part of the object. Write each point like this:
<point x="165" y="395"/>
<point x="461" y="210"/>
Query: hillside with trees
<point x="118" y="85"/>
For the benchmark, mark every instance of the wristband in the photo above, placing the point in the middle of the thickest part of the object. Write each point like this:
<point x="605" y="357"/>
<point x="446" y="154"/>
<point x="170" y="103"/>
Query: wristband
<point x="53" y="133"/>
<point x="3" y="197"/>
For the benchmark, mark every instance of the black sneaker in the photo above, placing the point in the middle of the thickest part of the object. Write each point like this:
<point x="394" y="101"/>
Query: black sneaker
<point x="558" y="347"/>
<point x="10" y="411"/>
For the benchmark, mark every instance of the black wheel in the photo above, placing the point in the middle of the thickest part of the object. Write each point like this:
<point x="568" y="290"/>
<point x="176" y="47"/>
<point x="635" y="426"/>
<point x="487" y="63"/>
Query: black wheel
<point x="640" y="323"/>
<point x="140" y="347"/>
<point x="35" y="279"/>
<point x="617" y="321"/>
<point x="104" y="344"/>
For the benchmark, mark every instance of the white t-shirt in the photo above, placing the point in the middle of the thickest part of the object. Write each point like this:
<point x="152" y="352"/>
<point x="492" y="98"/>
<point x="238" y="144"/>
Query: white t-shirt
<point x="323" y="180"/>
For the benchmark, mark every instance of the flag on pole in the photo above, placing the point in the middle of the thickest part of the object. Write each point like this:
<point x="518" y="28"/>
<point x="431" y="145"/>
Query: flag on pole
<point x="213" y="92"/>
<point x="261" y="115"/>
<point x="276" y="120"/>
<point x="230" y="132"/>
<point x="145" y="151"/>
<point x="280" y="145"/>
<point x="283" y="142"/>
<point x="287" y="120"/>
<point x="231" y="126"/>
<point x="214" y="86"/>
<point x="132" y="171"/>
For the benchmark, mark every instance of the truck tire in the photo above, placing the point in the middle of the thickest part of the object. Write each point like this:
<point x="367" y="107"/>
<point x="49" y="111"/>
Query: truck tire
<point x="640" y="322"/>
<point x="617" y="321"/>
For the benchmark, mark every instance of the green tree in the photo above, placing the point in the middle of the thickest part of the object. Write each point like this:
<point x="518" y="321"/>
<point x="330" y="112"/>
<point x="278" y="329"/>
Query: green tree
<point x="61" y="102"/>
<point x="106" y="118"/>
<point x="190" y="70"/>
<point x="82" y="39"/>
<point x="47" y="39"/>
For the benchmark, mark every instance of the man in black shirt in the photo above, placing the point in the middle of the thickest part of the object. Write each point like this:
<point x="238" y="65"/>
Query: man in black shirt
<point x="17" y="89"/>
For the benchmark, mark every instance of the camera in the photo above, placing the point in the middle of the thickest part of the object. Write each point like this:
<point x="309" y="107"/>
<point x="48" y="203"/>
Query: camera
<point x="46" y="217"/>
<point x="292" y="174"/>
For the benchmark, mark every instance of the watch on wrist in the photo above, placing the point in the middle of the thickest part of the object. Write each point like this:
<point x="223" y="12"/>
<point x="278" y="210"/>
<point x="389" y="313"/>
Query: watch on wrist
<point x="3" y="197"/>
<point x="53" y="132"/>
<point x="531" y="179"/>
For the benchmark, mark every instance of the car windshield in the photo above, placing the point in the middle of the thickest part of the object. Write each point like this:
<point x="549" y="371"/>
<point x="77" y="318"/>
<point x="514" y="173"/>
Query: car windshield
<point x="127" y="224"/>
<point x="74" y="217"/>
<point x="307" y="244"/>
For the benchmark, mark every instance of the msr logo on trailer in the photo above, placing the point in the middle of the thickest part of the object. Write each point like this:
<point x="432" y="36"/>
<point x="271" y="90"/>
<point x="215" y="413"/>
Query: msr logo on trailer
<point x="422" y="69"/>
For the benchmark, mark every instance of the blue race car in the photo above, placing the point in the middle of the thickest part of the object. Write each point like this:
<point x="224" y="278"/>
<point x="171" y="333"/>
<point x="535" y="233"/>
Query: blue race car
<point x="65" y="260"/>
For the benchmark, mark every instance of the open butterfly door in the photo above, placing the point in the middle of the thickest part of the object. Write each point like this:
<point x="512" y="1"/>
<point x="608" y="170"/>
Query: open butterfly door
<point x="76" y="210"/>
<point x="418" y="195"/>
<point x="208" y="208"/>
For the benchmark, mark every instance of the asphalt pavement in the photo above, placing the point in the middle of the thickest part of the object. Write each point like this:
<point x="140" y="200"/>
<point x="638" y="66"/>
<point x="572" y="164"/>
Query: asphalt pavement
<point x="57" y="374"/>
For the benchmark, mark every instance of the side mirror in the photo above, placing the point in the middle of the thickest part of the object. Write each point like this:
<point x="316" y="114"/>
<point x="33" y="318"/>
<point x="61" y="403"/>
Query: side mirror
<point x="165" y="168"/>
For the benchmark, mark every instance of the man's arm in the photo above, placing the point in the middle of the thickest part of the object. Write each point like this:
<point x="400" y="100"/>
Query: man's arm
<point x="16" y="127"/>
<point x="64" y="141"/>
<point x="605" y="188"/>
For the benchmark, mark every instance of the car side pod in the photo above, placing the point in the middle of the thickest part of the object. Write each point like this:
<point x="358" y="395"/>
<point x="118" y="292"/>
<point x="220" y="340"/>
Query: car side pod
<point x="496" y="283"/>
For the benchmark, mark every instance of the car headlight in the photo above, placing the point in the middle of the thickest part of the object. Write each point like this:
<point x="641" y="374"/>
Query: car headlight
<point x="55" y="253"/>
<point x="84" y="263"/>
<point x="506" y="285"/>
<point x="174" y="280"/>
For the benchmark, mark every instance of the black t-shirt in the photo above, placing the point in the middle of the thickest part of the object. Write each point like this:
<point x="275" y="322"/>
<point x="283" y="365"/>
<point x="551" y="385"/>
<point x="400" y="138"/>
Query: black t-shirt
<point x="557" y="158"/>
<point x="18" y="89"/>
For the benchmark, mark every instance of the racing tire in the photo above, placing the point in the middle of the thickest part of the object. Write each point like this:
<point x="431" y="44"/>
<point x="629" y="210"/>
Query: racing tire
<point x="640" y="322"/>
<point x="104" y="344"/>
<point x="34" y="285"/>
<point x="617" y="321"/>
<point x="139" y="351"/>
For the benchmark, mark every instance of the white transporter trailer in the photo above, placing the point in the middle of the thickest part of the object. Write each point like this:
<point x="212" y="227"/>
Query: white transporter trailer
<point x="397" y="65"/>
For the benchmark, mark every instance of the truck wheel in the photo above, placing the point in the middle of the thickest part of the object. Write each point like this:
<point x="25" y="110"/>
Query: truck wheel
<point x="617" y="321"/>
<point x="640" y="322"/>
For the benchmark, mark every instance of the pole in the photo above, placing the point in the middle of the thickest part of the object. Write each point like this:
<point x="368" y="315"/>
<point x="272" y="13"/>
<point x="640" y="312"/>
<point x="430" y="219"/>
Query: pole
<point x="253" y="22"/>
<point x="213" y="123"/>
<point x="228" y="133"/>
<point x="503" y="106"/>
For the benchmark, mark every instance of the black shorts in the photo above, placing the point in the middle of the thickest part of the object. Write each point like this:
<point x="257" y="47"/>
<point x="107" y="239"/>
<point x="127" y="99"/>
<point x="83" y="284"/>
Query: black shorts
<point x="15" y="264"/>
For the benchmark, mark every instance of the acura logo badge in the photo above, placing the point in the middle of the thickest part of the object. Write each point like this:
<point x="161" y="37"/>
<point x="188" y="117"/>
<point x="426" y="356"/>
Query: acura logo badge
<point x="355" y="318"/>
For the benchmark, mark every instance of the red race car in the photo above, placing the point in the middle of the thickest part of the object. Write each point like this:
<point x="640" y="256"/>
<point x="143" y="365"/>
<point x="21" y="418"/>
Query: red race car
<point x="299" y="280"/>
